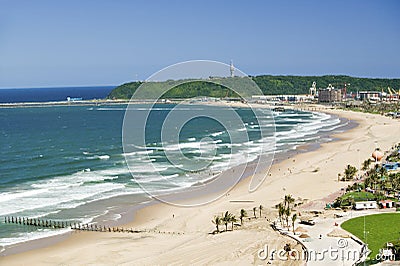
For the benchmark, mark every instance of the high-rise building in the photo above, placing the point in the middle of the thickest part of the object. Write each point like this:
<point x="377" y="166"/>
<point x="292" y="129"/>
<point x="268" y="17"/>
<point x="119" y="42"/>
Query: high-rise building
<point x="329" y="95"/>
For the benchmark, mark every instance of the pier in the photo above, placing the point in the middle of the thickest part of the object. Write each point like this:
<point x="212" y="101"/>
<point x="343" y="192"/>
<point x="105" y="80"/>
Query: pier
<point x="52" y="224"/>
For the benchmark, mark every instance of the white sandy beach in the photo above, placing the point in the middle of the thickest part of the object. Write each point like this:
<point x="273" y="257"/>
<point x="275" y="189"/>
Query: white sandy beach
<point x="311" y="175"/>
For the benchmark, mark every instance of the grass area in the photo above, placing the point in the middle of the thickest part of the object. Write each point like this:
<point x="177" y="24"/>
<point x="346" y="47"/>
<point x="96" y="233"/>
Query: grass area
<point x="350" y="197"/>
<point x="359" y="196"/>
<point x="381" y="228"/>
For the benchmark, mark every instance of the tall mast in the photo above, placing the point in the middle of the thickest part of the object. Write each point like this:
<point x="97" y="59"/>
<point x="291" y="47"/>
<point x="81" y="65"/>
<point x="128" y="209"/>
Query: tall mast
<point x="232" y="69"/>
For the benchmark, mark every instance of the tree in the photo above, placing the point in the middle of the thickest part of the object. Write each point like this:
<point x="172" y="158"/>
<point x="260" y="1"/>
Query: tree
<point x="243" y="214"/>
<point x="395" y="181"/>
<point x="349" y="172"/>
<point x="383" y="173"/>
<point x="287" y="215"/>
<point x="254" y="211"/>
<point x="226" y="218"/>
<point x="260" y="208"/>
<point x="217" y="221"/>
<point x="294" y="217"/>
<point x="374" y="179"/>
<point x="288" y="200"/>
<point x="366" y="164"/>
<point x="233" y="220"/>
<point x="268" y="84"/>
<point x="281" y="211"/>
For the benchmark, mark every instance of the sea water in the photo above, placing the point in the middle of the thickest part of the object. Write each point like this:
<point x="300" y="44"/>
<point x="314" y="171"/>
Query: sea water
<point x="57" y="161"/>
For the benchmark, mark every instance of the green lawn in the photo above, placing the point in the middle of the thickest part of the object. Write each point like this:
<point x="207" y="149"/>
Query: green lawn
<point x="381" y="228"/>
<point x="359" y="196"/>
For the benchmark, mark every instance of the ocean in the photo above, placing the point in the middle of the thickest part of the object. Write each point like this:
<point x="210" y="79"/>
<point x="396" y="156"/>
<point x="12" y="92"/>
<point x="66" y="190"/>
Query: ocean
<point x="66" y="163"/>
<point x="53" y="94"/>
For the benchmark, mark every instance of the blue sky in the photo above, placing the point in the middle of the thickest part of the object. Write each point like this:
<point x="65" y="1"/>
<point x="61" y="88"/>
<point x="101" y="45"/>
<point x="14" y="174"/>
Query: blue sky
<point x="93" y="42"/>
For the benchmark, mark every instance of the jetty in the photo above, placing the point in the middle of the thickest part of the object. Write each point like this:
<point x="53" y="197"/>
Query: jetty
<point x="52" y="224"/>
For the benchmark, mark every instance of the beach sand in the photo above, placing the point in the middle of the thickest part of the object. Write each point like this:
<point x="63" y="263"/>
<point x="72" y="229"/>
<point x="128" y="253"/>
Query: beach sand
<point x="311" y="175"/>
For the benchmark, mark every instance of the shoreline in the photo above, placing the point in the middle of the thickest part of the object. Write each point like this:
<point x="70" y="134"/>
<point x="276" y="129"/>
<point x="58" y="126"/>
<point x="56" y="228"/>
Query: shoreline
<point x="128" y="212"/>
<point x="145" y="216"/>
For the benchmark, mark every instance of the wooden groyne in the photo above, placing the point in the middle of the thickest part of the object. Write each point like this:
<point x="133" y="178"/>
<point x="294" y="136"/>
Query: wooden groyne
<point x="45" y="223"/>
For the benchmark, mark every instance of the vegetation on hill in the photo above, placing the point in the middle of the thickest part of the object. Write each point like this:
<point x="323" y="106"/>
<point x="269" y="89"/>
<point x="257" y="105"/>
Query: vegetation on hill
<point x="272" y="85"/>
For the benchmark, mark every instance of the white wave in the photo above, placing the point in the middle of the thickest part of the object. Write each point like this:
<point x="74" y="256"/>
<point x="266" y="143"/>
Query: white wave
<point x="148" y="168"/>
<point x="254" y="126"/>
<point x="191" y="139"/>
<point x="67" y="191"/>
<point x="99" y="157"/>
<point x="22" y="237"/>
<point x="60" y="197"/>
<point x="217" y="133"/>
<point x="10" y="196"/>
<point x="200" y="145"/>
<point x="138" y="152"/>
<point x="110" y="109"/>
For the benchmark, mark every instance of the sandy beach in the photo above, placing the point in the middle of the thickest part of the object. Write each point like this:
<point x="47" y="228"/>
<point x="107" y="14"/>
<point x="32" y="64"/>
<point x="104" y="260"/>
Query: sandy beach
<point x="310" y="176"/>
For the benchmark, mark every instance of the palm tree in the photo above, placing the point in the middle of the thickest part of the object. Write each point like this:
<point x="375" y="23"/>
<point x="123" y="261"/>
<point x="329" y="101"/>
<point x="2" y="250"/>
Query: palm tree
<point x="254" y="211"/>
<point x="288" y="200"/>
<point x="233" y="220"/>
<point x="294" y="217"/>
<point x="349" y="172"/>
<point x="374" y="179"/>
<point x="217" y="221"/>
<point x="226" y="219"/>
<point x="287" y="215"/>
<point x="260" y="208"/>
<point x="395" y="182"/>
<point x="366" y="164"/>
<point x="281" y="211"/>
<point x="243" y="214"/>
<point x="383" y="172"/>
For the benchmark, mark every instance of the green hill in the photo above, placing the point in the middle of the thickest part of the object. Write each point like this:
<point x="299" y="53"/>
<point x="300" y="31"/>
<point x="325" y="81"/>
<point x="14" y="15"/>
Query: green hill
<point x="269" y="85"/>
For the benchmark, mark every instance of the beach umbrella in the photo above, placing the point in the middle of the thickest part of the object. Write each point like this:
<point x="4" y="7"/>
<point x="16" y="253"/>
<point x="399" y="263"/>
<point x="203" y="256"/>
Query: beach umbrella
<point x="337" y="232"/>
<point x="304" y="236"/>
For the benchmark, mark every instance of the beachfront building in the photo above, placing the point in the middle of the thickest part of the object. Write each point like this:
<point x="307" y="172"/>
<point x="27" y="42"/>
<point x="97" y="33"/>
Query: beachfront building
<point x="363" y="205"/>
<point x="329" y="95"/>
<point x="281" y="98"/>
<point x="386" y="204"/>
<point x="369" y="95"/>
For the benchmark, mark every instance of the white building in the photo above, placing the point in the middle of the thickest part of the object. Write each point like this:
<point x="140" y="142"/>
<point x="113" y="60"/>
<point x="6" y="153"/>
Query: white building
<point x="362" y="205"/>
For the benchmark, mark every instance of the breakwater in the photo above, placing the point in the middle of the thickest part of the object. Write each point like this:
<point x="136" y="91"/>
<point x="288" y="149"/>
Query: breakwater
<point x="52" y="224"/>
